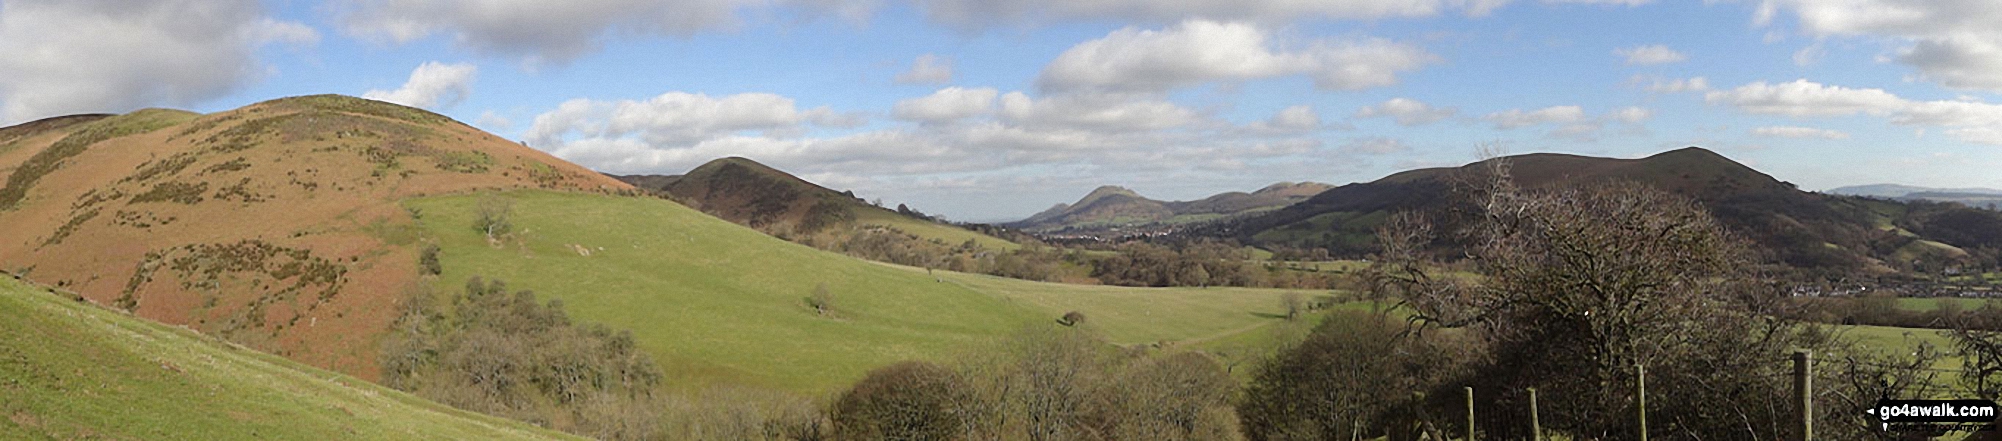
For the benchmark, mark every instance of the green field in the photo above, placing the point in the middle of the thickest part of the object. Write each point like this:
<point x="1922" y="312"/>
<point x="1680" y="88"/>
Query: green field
<point x="70" y="370"/>
<point x="951" y="235"/>
<point x="719" y="303"/>
<point x="1927" y="304"/>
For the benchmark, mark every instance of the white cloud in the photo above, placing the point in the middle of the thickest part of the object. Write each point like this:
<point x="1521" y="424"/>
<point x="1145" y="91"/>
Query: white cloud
<point x="1200" y="51"/>
<point x="63" y="57"/>
<point x="1660" y="85"/>
<point x="1955" y="43"/>
<point x="927" y="69"/>
<point x="978" y="14"/>
<point x="1646" y="55"/>
<point x="1516" y="118"/>
<point x="1301" y="117"/>
<point x="544" y="32"/>
<point x="1628" y="3"/>
<point x="1374" y="146"/>
<point x="1809" y="55"/>
<point x="1096" y="112"/>
<point x="1804" y="98"/>
<point x="1968" y="120"/>
<point x="671" y="118"/>
<point x="493" y="122"/>
<point x="433" y="85"/>
<point x="948" y="104"/>
<point x="1977" y="135"/>
<point x="1407" y="112"/>
<point x="1630" y="115"/>
<point x="1798" y="132"/>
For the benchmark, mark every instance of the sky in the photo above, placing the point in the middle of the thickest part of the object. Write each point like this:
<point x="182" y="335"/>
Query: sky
<point x="983" y="110"/>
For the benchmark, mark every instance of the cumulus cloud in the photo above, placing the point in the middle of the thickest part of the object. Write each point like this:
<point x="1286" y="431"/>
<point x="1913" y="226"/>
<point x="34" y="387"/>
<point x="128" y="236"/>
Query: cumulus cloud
<point x="1798" y="132"/>
<point x="1301" y="117"/>
<point x="63" y="57"/>
<point x="1654" y="54"/>
<point x="541" y="32"/>
<point x="947" y="104"/>
<point x="1517" y="118"/>
<point x="927" y="69"/>
<point x="979" y="14"/>
<point x="1954" y="43"/>
<point x="1407" y="112"/>
<point x="671" y="118"/>
<point x="1804" y="98"/>
<point x="1097" y="112"/>
<point x="1967" y="120"/>
<point x="1601" y="2"/>
<point x="432" y="85"/>
<point x="1200" y="51"/>
<point x="1678" y="85"/>
<point x="1374" y="146"/>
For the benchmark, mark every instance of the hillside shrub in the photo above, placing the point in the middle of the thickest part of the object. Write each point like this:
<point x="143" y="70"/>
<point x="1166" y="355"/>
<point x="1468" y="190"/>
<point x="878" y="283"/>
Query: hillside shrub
<point x="911" y="400"/>
<point x="427" y="261"/>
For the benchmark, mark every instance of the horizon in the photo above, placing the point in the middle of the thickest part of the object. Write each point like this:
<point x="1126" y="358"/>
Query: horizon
<point x="994" y="112"/>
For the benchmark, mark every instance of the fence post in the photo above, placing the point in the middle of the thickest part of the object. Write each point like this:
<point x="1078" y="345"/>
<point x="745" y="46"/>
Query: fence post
<point x="1535" y="424"/>
<point x="1642" y="370"/>
<point x="1803" y="393"/>
<point x="1470" y="413"/>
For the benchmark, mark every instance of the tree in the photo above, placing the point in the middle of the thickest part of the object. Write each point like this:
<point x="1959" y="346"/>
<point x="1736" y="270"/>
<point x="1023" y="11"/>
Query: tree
<point x="1579" y="286"/>
<point x="427" y="261"/>
<point x="494" y="215"/>
<point x="911" y="400"/>
<point x="1349" y="379"/>
<point x="1294" y="304"/>
<point x="822" y="300"/>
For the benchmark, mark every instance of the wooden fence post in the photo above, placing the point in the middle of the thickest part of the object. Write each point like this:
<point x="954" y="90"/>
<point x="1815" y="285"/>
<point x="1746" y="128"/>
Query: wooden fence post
<point x="1470" y="413"/>
<point x="1535" y="424"/>
<point x="1642" y="370"/>
<point x="1803" y="393"/>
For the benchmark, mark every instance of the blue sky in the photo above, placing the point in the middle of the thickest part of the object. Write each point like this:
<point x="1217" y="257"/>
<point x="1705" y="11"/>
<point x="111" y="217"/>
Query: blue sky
<point x="988" y="111"/>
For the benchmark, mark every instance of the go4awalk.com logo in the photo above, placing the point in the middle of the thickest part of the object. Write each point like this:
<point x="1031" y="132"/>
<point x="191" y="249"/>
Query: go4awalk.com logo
<point x="1935" y="415"/>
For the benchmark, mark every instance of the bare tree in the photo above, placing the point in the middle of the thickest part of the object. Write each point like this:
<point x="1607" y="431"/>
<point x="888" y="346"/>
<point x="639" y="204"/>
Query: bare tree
<point x="494" y="215"/>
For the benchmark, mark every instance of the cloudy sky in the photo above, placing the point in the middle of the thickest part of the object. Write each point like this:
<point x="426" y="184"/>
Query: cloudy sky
<point x="985" y="110"/>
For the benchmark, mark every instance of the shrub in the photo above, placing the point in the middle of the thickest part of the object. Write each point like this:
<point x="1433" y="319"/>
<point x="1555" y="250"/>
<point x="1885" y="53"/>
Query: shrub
<point x="427" y="261"/>
<point x="822" y="301"/>
<point x="1072" y="318"/>
<point x="495" y="215"/>
<point x="905" y="401"/>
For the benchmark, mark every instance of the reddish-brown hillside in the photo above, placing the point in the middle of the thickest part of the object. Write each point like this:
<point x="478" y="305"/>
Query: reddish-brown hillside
<point x="275" y="225"/>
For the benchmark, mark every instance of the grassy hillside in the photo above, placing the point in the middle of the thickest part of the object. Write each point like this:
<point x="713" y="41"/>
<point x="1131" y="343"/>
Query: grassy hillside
<point x="274" y="225"/>
<point x="70" y="370"/>
<point x="716" y="302"/>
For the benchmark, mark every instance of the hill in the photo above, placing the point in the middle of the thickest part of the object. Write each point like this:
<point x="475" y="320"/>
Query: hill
<point x="72" y="370"/>
<point x="718" y="303"/>
<point x="275" y="225"/>
<point x="1973" y="197"/>
<point x="1114" y="206"/>
<point x="749" y="193"/>
<point x="1831" y="234"/>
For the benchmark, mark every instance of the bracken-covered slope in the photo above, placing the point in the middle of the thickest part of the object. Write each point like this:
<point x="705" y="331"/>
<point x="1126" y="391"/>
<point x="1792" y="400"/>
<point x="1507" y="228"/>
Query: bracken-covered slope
<point x="70" y="370"/>
<point x="1114" y="206"/>
<point x="274" y="225"/>
<point x="1828" y="233"/>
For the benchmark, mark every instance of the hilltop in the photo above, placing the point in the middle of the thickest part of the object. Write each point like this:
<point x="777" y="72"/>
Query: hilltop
<point x="752" y="194"/>
<point x="1115" y="206"/>
<point x="275" y="225"/>
<point x="71" y="370"/>
<point x="1826" y="233"/>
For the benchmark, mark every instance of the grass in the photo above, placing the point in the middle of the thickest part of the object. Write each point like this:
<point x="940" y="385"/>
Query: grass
<point x="70" y="370"/>
<point x="951" y="235"/>
<point x="719" y="303"/>
<point x="1928" y="304"/>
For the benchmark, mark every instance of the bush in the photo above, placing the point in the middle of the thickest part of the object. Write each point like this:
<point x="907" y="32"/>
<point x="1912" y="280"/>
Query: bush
<point x="822" y="300"/>
<point x="1072" y="318"/>
<point x="495" y="215"/>
<point x="427" y="261"/>
<point x="1355" y="372"/>
<point x="905" y="401"/>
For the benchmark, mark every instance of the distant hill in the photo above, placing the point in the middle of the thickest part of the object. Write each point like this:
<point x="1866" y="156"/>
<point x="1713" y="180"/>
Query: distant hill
<point x="1828" y="233"/>
<point x="275" y="225"/>
<point x="71" y="370"/>
<point x="1114" y="206"/>
<point x="749" y="193"/>
<point x="1988" y="198"/>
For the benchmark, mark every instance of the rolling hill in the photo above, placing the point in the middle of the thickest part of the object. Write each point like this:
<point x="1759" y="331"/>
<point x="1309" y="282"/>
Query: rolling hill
<point x="72" y="370"/>
<point x="275" y="225"/>
<point x="752" y="194"/>
<point x="1988" y="198"/>
<point x="718" y="303"/>
<point x="1114" y="206"/>
<point x="1834" y="235"/>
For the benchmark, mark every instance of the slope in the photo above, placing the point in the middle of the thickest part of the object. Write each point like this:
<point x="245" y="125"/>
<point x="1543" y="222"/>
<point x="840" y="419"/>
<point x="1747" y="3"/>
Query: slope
<point x="716" y="302"/>
<point x="274" y="225"/>
<point x="750" y="193"/>
<point x="1818" y="232"/>
<point x="70" y="370"/>
<point x="1114" y="206"/>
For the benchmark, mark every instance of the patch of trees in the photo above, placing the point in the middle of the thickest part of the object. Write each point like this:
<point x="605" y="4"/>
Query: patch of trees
<point x="1031" y="262"/>
<point x="1201" y="263"/>
<point x="1051" y="383"/>
<point x="497" y="352"/>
